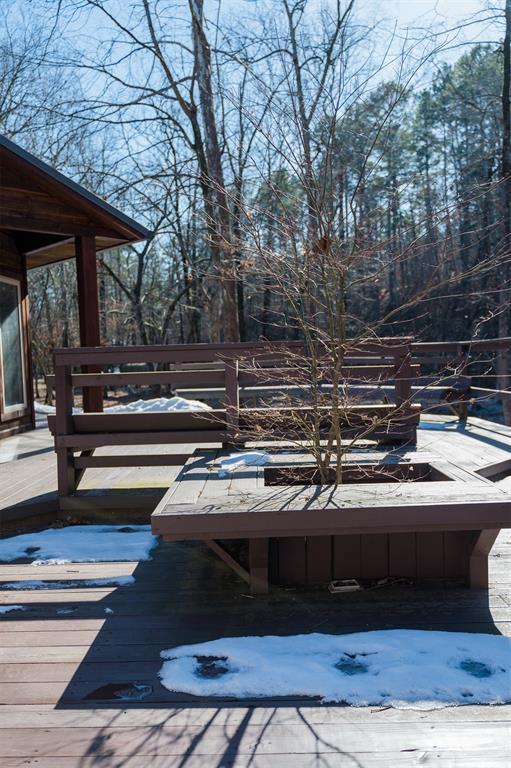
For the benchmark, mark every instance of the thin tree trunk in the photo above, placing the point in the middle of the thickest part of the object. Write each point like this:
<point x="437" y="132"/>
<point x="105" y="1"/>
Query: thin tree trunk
<point x="504" y="295"/>
<point x="220" y="224"/>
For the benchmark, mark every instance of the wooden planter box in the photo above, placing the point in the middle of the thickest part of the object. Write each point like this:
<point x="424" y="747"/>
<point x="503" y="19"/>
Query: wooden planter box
<point x="440" y="526"/>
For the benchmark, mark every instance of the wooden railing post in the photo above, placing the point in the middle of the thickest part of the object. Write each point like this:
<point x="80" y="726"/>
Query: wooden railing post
<point x="66" y="475"/>
<point x="232" y="401"/>
<point x="403" y="377"/>
<point x="88" y="310"/>
<point x="403" y="373"/>
<point x="478" y="563"/>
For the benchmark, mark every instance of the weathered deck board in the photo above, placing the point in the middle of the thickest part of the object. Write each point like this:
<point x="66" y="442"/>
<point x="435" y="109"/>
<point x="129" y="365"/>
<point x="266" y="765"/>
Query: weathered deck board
<point x="443" y="759"/>
<point x="28" y="481"/>
<point x="288" y="739"/>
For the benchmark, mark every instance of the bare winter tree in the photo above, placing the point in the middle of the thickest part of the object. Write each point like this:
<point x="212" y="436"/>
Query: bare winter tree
<point x="322" y="281"/>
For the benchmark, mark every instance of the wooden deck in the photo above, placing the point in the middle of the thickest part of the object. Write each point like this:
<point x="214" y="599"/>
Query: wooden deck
<point x="62" y="660"/>
<point x="28" y="474"/>
<point x="28" y="482"/>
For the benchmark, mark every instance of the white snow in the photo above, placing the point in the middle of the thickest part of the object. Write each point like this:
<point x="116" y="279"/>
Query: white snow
<point x="116" y="581"/>
<point x="8" y="608"/>
<point x="157" y="404"/>
<point x="160" y="404"/>
<point x="399" y="668"/>
<point x="80" y="544"/>
<point x="49" y="409"/>
<point x="234" y="461"/>
<point x="438" y="424"/>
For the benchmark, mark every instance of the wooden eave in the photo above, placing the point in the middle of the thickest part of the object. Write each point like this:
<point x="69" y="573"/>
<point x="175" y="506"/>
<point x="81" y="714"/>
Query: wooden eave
<point x="44" y="210"/>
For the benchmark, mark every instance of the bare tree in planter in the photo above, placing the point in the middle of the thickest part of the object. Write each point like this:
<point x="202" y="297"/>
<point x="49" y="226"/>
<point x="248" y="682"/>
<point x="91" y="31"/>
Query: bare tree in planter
<point x="323" y="276"/>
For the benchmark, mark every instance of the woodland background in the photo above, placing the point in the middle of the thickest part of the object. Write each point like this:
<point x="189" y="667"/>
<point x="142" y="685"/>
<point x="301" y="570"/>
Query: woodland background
<point x="231" y="129"/>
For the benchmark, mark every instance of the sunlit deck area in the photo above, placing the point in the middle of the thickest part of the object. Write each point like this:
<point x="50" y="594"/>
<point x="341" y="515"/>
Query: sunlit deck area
<point x="28" y="473"/>
<point x="68" y="668"/>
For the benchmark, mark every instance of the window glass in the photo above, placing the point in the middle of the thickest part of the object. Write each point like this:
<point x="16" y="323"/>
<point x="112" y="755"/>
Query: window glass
<point x="11" y="345"/>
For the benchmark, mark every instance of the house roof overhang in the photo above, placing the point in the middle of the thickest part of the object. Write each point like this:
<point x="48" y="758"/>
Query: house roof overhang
<point x="44" y="211"/>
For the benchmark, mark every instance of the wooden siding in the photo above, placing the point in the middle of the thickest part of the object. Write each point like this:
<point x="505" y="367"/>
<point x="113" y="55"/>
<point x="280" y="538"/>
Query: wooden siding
<point x="11" y="261"/>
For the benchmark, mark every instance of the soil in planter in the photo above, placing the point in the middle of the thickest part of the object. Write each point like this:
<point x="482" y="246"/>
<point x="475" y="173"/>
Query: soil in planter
<point x="362" y="473"/>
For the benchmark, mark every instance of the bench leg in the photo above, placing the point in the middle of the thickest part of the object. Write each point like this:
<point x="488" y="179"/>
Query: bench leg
<point x="478" y="565"/>
<point x="80" y="472"/>
<point x="258" y="566"/>
<point x="66" y="473"/>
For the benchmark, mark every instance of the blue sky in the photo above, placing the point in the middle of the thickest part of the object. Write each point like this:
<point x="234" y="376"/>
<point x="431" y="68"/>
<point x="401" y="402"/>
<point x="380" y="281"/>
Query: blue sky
<point x="412" y="12"/>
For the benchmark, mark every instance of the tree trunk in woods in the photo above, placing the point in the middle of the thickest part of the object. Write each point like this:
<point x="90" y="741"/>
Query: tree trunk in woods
<point x="220" y="225"/>
<point x="505" y="173"/>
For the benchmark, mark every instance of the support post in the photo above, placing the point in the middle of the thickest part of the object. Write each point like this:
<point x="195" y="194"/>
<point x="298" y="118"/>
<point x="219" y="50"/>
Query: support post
<point x="88" y="311"/>
<point x="228" y="559"/>
<point x="258" y="566"/>
<point x="478" y="566"/>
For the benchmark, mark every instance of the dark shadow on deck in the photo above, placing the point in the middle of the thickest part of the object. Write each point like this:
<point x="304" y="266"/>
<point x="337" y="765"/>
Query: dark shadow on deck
<point x="185" y="595"/>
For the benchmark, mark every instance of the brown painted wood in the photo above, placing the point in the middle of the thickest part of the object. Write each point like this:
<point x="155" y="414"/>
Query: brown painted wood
<point x="227" y="350"/>
<point x="258" y="566"/>
<point x="229" y="560"/>
<point x="402" y="555"/>
<point x="319" y="559"/>
<point x="482" y="544"/>
<point x="139" y="460"/>
<point x="347" y="557"/>
<point x="430" y="554"/>
<point x="292" y="560"/>
<point x="216" y="376"/>
<point x="36" y="198"/>
<point x="374" y="556"/>
<point x="235" y="517"/>
<point x="232" y="400"/>
<point x="455" y="555"/>
<point x="88" y="311"/>
<point x="95" y="440"/>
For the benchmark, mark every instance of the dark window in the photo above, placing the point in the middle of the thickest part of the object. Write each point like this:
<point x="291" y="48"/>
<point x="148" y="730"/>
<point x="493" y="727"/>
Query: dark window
<point x="11" y="344"/>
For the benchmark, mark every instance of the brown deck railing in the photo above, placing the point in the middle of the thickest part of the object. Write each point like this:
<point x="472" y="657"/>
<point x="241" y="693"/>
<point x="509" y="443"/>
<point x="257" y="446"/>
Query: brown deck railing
<point x="473" y="362"/>
<point x="228" y="366"/>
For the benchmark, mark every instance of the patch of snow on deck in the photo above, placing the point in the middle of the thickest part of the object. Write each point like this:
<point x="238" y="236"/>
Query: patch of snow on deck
<point x="234" y="461"/>
<point x="115" y="581"/>
<point x="439" y="424"/>
<point x="155" y="405"/>
<point x="160" y="405"/>
<point x="46" y="410"/>
<point x="8" y="608"/>
<point x="80" y="544"/>
<point x="398" y="668"/>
